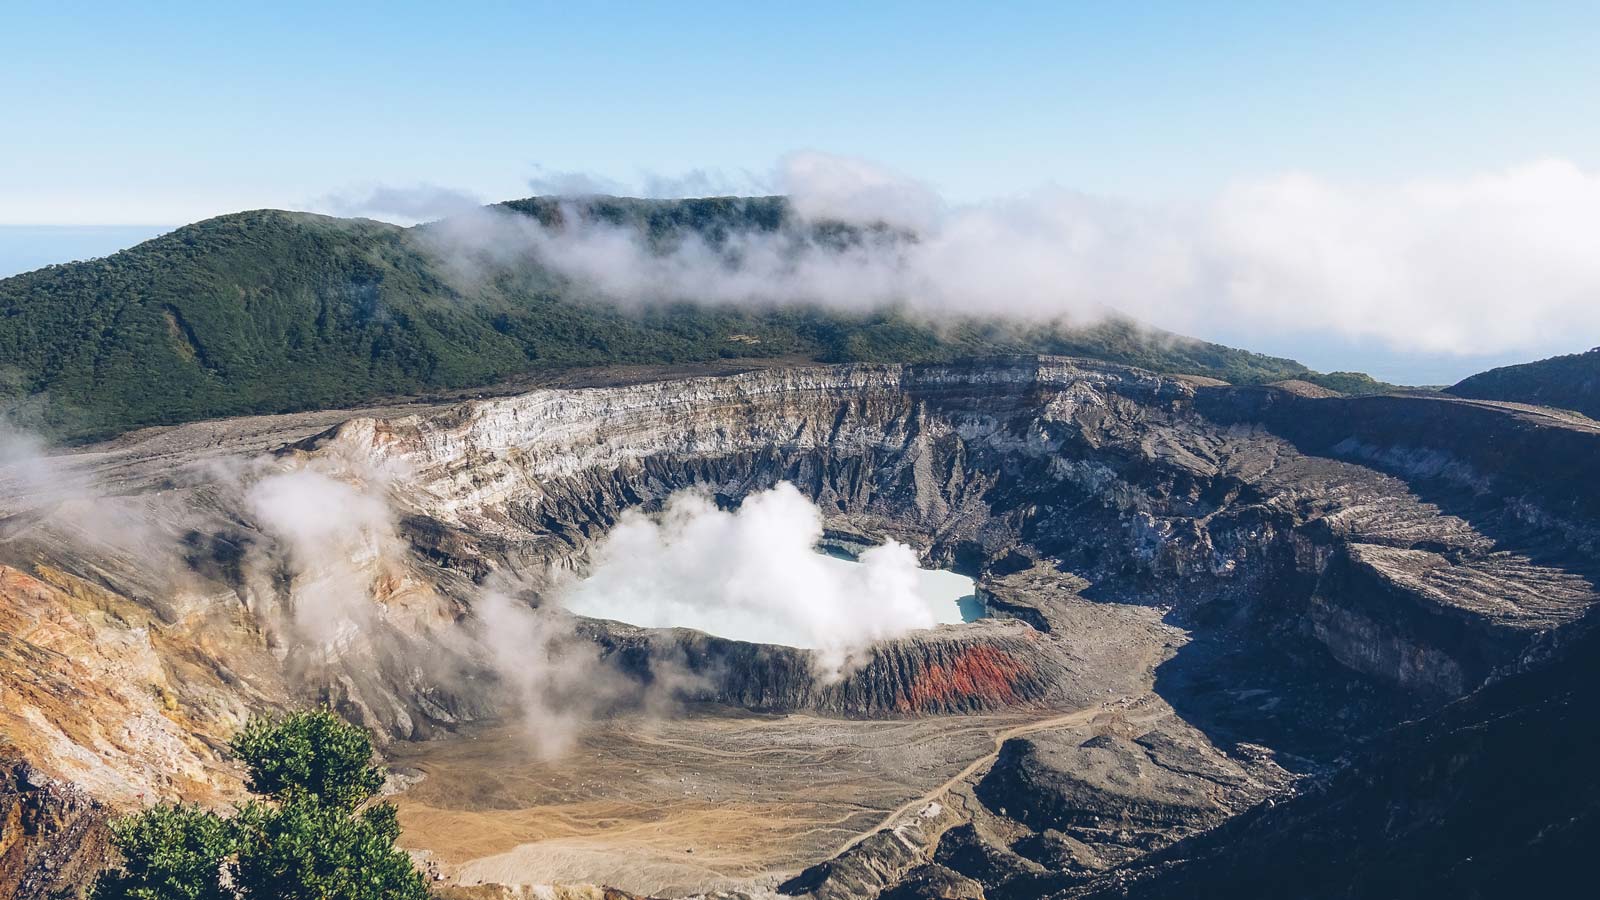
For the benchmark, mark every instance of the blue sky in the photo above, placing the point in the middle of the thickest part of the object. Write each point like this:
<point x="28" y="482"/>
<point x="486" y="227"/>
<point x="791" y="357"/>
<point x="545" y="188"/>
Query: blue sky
<point x="130" y="114"/>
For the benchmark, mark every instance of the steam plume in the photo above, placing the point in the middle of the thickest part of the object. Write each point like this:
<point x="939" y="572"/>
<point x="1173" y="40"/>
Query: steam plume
<point x="335" y="537"/>
<point x="752" y="574"/>
<point x="331" y="581"/>
<point x="41" y="489"/>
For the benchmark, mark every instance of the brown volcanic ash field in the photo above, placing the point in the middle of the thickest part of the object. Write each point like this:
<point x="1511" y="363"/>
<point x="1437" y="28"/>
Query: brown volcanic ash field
<point x="671" y="807"/>
<point x="750" y="797"/>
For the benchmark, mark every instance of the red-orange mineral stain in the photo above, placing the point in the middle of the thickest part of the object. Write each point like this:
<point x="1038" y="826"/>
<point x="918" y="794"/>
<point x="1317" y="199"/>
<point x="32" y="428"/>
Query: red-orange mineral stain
<point x="982" y="672"/>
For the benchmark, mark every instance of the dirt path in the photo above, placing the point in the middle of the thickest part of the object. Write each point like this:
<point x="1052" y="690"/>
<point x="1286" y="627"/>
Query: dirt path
<point x="1081" y="717"/>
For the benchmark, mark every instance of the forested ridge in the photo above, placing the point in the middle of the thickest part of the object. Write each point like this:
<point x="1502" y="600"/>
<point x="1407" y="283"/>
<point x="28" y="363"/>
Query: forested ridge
<point x="1566" y="382"/>
<point x="271" y="311"/>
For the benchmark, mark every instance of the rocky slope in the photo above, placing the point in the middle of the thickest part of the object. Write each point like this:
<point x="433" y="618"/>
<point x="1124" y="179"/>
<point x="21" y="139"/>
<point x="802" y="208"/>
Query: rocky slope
<point x="1325" y="566"/>
<point x="1150" y="488"/>
<point x="53" y="837"/>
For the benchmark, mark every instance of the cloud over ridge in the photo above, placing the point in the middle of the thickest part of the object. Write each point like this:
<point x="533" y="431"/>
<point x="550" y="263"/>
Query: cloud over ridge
<point x="1494" y="262"/>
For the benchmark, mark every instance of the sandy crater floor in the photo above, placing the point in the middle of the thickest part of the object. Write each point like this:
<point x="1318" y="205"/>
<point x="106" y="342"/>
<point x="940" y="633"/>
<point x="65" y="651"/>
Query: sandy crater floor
<point x="713" y="800"/>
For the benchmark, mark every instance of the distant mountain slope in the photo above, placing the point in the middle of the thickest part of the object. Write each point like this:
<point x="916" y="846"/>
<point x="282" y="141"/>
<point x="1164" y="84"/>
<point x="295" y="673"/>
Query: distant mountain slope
<point x="271" y="311"/>
<point x="1565" y="382"/>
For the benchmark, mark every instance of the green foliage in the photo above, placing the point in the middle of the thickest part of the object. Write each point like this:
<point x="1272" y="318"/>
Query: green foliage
<point x="1353" y="383"/>
<point x="272" y="311"/>
<point x="304" y="850"/>
<point x="312" y="752"/>
<point x="311" y="839"/>
<point x="171" y="852"/>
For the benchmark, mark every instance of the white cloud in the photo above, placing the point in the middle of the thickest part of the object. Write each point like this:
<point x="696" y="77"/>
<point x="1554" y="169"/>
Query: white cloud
<point x="336" y="537"/>
<point x="703" y="183"/>
<point x="52" y="490"/>
<point x="1483" y="264"/>
<point x="752" y="574"/>
<point x="1493" y="263"/>
<point x="401" y="205"/>
<point x="554" y="680"/>
<point x="560" y="183"/>
<point x="846" y="189"/>
<point x="693" y="183"/>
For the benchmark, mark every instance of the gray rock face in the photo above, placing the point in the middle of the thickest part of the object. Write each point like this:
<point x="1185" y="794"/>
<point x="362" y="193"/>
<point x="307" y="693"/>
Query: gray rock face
<point x="964" y="850"/>
<point x="934" y="882"/>
<point x="952" y="670"/>
<point x="1494" y="795"/>
<point x="1115" y="791"/>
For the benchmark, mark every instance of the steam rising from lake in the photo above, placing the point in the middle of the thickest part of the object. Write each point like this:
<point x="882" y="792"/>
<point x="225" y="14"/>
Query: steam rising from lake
<point x="751" y="574"/>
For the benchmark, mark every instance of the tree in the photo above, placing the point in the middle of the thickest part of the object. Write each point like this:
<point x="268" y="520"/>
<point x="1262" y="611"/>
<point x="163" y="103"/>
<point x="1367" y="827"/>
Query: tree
<point x="301" y="849"/>
<point x="309" y="838"/>
<point x="170" y="852"/>
<point x="314" y="752"/>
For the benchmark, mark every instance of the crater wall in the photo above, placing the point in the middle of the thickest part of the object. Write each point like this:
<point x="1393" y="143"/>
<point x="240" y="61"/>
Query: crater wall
<point x="1341" y="520"/>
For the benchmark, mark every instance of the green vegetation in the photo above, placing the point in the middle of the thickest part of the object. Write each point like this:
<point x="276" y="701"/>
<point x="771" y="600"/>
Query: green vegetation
<point x="315" y="753"/>
<point x="169" y="853"/>
<point x="309" y="839"/>
<point x="271" y="311"/>
<point x="1349" y="382"/>
<point x="1569" y="382"/>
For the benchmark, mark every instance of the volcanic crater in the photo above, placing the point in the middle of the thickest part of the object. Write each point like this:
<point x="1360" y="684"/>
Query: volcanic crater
<point x="1200" y="597"/>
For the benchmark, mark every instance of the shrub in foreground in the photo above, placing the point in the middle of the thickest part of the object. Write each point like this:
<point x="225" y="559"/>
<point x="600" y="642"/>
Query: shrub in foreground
<point x="312" y="835"/>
